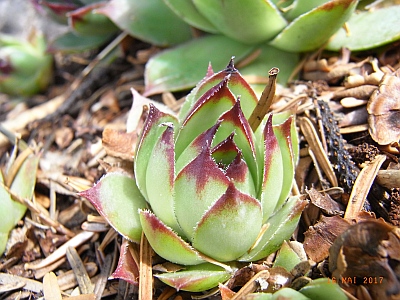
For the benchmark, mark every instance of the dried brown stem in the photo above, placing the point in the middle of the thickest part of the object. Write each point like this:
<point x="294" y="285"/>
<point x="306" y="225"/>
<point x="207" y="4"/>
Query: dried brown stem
<point x="265" y="102"/>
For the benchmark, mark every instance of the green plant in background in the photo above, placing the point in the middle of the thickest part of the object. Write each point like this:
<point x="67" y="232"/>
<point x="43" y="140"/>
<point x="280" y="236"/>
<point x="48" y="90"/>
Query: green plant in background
<point x="20" y="179"/>
<point x="277" y="31"/>
<point x="25" y="67"/>
<point x="208" y="188"/>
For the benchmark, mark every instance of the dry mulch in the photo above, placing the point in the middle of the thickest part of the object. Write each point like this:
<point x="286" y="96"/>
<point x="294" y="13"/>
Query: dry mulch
<point x="348" y="169"/>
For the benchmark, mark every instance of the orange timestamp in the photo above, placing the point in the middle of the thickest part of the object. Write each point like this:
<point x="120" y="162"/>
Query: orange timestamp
<point x="365" y="280"/>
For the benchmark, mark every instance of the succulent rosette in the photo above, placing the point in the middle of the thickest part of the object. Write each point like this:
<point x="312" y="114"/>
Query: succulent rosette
<point x="25" y="67"/>
<point x="208" y="189"/>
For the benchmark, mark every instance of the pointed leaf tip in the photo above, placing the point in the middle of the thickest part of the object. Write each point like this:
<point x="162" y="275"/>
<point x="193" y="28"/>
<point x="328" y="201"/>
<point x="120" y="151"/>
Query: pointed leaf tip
<point x="117" y="198"/>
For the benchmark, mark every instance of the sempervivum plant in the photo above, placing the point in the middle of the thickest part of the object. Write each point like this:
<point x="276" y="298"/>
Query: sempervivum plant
<point x="209" y="189"/>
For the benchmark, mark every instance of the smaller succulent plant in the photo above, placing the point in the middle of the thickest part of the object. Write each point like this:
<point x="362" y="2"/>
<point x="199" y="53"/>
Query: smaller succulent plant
<point x="25" y="67"/>
<point x="209" y="189"/>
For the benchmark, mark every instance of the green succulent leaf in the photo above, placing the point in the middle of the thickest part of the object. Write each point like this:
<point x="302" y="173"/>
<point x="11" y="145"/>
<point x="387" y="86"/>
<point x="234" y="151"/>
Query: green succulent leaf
<point x="204" y="114"/>
<point x="188" y="12"/>
<point x="368" y="29"/>
<point x="117" y="198"/>
<point x="320" y="24"/>
<point x="216" y="233"/>
<point x="236" y="83"/>
<point x="300" y="7"/>
<point x="151" y="21"/>
<point x="201" y="181"/>
<point x="323" y="288"/>
<point x="85" y="21"/>
<point x="269" y="57"/>
<point x="286" y="258"/>
<point x="182" y="67"/>
<point x="72" y="42"/>
<point x="11" y="212"/>
<point x="150" y="135"/>
<point x="249" y="22"/>
<point x="196" y="147"/>
<point x="280" y="227"/>
<point x="234" y="121"/>
<point x="26" y="67"/>
<point x="160" y="178"/>
<point x="238" y="173"/>
<point x="283" y="133"/>
<point x="166" y="242"/>
<point x="196" y="278"/>
<point x="272" y="173"/>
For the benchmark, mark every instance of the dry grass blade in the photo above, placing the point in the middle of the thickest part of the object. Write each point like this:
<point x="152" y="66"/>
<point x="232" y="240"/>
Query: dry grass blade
<point x="37" y="209"/>
<point x="51" y="290"/>
<point x="316" y="147"/>
<point x="85" y="285"/>
<point x="29" y="284"/>
<point x="12" y="172"/>
<point x="77" y="240"/>
<point x="362" y="186"/>
<point x="105" y="273"/>
<point x="145" y="270"/>
<point x="265" y="102"/>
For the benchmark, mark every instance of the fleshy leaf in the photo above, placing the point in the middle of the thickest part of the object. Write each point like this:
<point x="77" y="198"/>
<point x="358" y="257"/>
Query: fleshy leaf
<point x="300" y="7"/>
<point x="216" y="235"/>
<point x="236" y="83"/>
<point x="234" y="121"/>
<point x="167" y="243"/>
<point x="197" y="187"/>
<point x="204" y="114"/>
<point x="11" y="212"/>
<point x="127" y="268"/>
<point x="320" y="24"/>
<point x="286" y="258"/>
<point x="196" y="147"/>
<point x="225" y="152"/>
<point x="189" y="13"/>
<point x="151" y="21"/>
<point x="323" y="288"/>
<point x="150" y="134"/>
<point x="160" y="178"/>
<point x="283" y="133"/>
<point x="85" y="21"/>
<point x="363" y="36"/>
<point x="280" y="227"/>
<point x="72" y="42"/>
<point x="238" y="173"/>
<point x="269" y="57"/>
<point x="272" y="172"/>
<point x="250" y="22"/>
<point x="183" y="66"/>
<point x="117" y="198"/>
<point x="195" y="278"/>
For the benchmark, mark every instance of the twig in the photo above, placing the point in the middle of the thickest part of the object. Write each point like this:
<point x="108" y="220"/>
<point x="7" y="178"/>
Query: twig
<point x="265" y="102"/>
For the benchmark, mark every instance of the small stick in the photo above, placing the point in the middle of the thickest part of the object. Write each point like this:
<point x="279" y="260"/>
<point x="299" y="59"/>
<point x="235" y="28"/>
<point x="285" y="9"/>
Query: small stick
<point x="265" y="102"/>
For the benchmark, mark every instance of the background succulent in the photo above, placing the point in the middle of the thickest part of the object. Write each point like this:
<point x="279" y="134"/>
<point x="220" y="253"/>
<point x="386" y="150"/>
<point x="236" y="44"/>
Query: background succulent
<point x="25" y="67"/>
<point x="209" y="187"/>
<point x="272" y="32"/>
